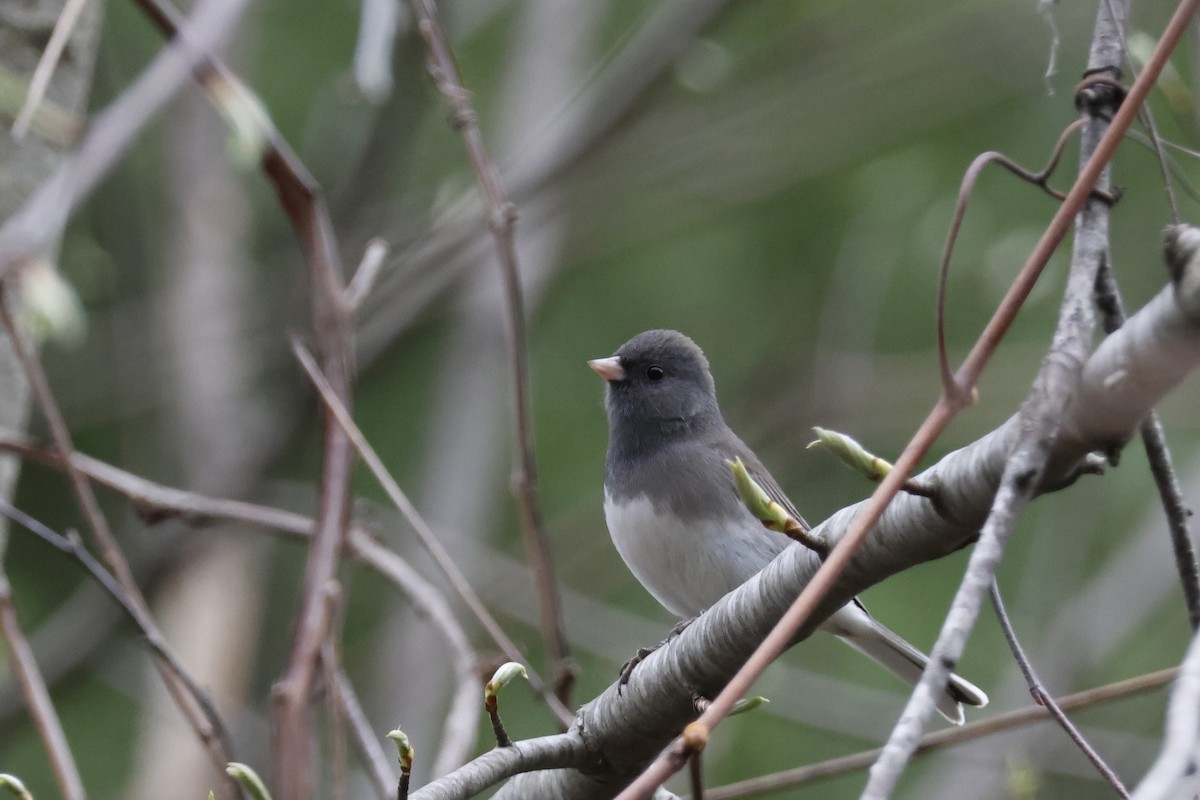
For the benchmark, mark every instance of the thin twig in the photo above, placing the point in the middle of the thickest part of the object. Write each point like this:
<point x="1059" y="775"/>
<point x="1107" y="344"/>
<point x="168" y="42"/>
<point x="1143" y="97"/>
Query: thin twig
<point x="44" y="71"/>
<point x="457" y="580"/>
<point x="1044" y="698"/>
<point x="197" y="709"/>
<point x="157" y="503"/>
<point x="37" y="697"/>
<point x="331" y="668"/>
<point x="501" y="218"/>
<point x="948" y="737"/>
<point x="945" y="409"/>
<point x="1147" y="114"/>
<point x="966" y="188"/>
<point x="379" y="21"/>
<point x="365" y="276"/>
<point x="38" y="224"/>
<point x="1158" y="454"/>
<point x="370" y="749"/>
<point x="164" y="655"/>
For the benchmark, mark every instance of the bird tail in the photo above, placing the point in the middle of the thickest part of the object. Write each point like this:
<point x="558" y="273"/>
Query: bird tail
<point x="907" y="663"/>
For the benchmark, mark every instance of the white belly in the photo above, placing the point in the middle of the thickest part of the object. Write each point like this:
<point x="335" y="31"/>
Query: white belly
<point x="688" y="567"/>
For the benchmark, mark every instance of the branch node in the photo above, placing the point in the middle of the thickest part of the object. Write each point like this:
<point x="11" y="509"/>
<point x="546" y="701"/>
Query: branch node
<point x="1100" y="92"/>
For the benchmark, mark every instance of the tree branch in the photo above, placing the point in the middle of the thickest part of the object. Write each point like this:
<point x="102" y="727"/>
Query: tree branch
<point x="947" y="737"/>
<point x="1155" y="350"/>
<point x="502" y="218"/>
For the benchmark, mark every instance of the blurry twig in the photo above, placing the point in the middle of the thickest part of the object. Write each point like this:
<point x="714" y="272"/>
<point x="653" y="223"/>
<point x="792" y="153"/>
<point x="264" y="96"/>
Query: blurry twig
<point x="696" y="775"/>
<point x="37" y="697"/>
<point x="196" y="706"/>
<point x="948" y="737"/>
<point x="71" y="546"/>
<point x="501" y="219"/>
<point x="457" y="580"/>
<point x="970" y="177"/>
<point x="1044" y="698"/>
<point x="301" y="199"/>
<point x="1147" y="114"/>
<point x="38" y="223"/>
<point x="378" y="23"/>
<point x="366" y="274"/>
<point x="51" y="122"/>
<point x="1154" y="440"/>
<point x="368" y="742"/>
<point x="45" y="68"/>
<point x="331" y="670"/>
<point x="157" y="503"/>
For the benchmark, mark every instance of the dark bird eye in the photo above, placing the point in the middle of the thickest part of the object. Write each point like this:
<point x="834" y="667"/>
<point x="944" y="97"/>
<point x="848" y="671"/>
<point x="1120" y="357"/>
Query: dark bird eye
<point x="655" y="372"/>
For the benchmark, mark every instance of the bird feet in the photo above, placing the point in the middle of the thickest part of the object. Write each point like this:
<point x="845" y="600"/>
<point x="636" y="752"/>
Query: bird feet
<point x="628" y="667"/>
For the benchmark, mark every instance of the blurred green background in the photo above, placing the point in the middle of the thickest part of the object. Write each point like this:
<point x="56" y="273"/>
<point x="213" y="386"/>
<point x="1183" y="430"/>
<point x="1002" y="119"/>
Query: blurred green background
<point x="776" y="182"/>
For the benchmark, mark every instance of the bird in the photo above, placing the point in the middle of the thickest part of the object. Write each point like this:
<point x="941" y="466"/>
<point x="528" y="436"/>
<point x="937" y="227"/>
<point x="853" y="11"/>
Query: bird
<point x="674" y="513"/>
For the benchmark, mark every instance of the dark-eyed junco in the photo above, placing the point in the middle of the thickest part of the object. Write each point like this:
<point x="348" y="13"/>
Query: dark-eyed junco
<point x="673" y="510"/>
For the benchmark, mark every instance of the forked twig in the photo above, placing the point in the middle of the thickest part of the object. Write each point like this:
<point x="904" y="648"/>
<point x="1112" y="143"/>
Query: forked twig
<point x="426" y="535"/>
<point x="164" y="655"/>
<point x="966" y="188"/>
<point x="948" y="737"/>
<point x="194" y="703"/>
<point x="1044" y="698"/>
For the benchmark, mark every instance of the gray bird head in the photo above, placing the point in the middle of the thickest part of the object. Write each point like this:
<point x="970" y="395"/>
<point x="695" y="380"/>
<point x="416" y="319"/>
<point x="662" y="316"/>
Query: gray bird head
<point x="659" y="388"/>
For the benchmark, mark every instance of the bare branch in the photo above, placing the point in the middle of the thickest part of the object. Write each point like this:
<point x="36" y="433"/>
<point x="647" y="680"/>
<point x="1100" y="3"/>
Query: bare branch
<point x="366" y="738"/>
<point x="947" y="737"/>
<point x="457" y="580"/>
<point x="1044" y="698"/>
<point x="366" y="274"/>
<point x="157" y="503"/>
<point x="194" y="703"/>
<point x="45" y="68"/>
<point x="564" y="750"/>
<point x="37" y="697"/>
<point x="171" y="665"/>
<point x="502" y="217"/>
